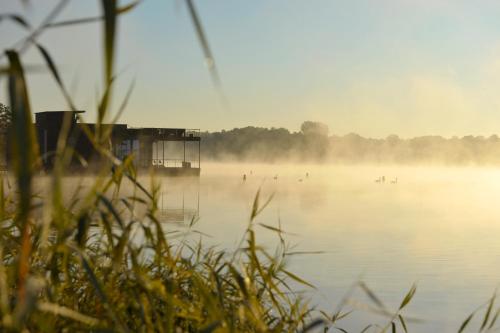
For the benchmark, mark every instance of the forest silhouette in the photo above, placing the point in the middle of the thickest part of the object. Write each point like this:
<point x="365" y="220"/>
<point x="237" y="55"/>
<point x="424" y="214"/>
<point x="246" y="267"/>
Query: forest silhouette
<point x="313" y="143"/>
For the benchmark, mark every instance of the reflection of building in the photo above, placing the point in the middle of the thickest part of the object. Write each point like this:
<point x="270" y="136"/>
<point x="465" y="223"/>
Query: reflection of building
<point x="148" y="145"/>
<point x="181" y="204"/>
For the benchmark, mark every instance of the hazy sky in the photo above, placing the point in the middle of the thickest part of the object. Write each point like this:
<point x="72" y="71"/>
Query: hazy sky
<point x="409" y="67"/>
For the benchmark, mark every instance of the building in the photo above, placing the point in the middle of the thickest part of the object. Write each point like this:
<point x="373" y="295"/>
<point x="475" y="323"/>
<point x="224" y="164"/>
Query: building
<point x="170" y="151"/>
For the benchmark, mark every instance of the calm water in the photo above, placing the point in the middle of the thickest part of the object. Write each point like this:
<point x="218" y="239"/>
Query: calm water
<point x="437" y="227"/>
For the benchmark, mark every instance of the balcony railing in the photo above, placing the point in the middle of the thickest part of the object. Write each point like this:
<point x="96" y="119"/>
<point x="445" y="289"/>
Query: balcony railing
<point x="174" y="163"/>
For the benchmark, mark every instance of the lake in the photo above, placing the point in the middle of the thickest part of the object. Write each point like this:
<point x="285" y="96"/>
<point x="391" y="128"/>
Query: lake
<point x="438" y="227"/>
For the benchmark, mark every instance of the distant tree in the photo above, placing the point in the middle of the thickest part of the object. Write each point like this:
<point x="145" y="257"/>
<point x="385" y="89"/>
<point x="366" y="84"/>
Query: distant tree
<point x="314" y="128"/>
<point x="493" y="138"/>
<point x="393" y="139"/>
<point x="5" y="117"/>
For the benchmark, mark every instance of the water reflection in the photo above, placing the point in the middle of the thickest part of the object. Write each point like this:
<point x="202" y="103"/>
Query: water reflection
<point x="179" y="201"/>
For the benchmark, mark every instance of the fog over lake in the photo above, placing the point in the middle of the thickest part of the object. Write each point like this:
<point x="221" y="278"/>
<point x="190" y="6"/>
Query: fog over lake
<point x="437" y="227"/>
<point x="434" y="226"/>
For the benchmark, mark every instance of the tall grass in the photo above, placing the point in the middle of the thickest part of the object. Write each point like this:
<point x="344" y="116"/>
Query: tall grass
<point x="86" y="261"/>
<point x="85" y="271"/>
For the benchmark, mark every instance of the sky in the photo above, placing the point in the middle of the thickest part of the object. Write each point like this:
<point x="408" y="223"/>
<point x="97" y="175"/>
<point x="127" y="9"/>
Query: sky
<point x="405" y="67"/>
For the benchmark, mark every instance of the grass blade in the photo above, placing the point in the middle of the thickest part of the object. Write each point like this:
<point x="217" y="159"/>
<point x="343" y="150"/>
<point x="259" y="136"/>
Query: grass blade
<point x="110" y="19"/>
<point x="466" y="322"/>
<point x="202" y="38"/>
<point x="55" y="73"/>
<point x="315" y="323"/>
<point x="408" y="297"/>
<point x="16" y="18"/>
<point x="120" y="10"/>
<point x="488" y="313"/>
<point x="403" y="323"/>
<point x="63" y="311"/>
<point x="24" y="155"/>
<point x="372" y="295"/>
<point x="298" y="279"/>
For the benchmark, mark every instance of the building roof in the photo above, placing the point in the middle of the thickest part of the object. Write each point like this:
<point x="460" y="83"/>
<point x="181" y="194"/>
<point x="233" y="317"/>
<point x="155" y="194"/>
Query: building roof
<point x="54" y="111"/>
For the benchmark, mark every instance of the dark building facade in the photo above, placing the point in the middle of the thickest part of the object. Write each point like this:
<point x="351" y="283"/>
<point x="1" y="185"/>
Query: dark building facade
<point x="170" y="151"/>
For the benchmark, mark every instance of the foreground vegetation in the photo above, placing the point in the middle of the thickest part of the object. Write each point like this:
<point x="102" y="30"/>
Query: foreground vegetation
<point x="100" y="267"/>
<point x="88" y="261"/>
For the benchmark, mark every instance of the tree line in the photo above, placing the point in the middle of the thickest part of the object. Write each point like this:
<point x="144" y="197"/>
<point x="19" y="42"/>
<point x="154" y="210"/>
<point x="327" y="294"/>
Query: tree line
<point x="314" y="144"/>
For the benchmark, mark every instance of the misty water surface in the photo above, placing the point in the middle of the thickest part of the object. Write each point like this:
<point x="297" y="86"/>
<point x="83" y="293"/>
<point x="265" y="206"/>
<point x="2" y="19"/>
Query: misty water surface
<point x="437" y="226"/>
